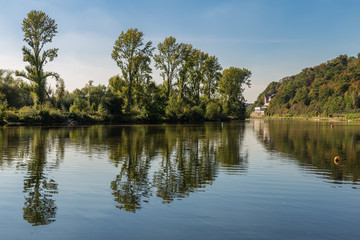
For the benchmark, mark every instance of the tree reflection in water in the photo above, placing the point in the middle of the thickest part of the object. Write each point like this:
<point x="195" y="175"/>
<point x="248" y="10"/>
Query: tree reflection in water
<point x="30" y="146"/>
<point x="188" y="159"/>
<point x="169" y="161"/>
<point x="188" y="163"/>
<point x="39" y="207"/>
<point x="131" y="186"/>
<point x="315" y="144"/>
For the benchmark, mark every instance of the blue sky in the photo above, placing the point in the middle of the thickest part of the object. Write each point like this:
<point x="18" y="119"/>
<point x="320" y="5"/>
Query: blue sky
<point x="272" y="38"/>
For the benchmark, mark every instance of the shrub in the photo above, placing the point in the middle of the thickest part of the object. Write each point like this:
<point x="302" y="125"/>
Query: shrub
<point x="53" y="116"/>
<point x="174" y="109"/>
<point x="352" y="116"/>
<point x="135" y="114"/>
<point x="11" y="116"/>
<point x="213" y="111"/>
<point x="195" y="114"/>
<point x="3" y="107"/>
<point x="81" y="118"/>
<point x="29" y="115"/>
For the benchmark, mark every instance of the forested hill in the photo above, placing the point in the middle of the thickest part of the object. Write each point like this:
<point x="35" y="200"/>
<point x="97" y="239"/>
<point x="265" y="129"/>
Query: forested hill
<point x="329" y="88"/>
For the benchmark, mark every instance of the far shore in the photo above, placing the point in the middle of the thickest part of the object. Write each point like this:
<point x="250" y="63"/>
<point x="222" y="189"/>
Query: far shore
<point x="328" y="119"/>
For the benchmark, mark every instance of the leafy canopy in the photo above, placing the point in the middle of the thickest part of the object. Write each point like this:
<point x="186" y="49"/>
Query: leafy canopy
<point x="133" y="58"/>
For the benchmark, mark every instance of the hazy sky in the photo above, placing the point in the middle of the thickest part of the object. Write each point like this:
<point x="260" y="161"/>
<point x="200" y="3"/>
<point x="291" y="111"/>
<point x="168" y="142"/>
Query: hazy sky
<point x="271" y="38"/>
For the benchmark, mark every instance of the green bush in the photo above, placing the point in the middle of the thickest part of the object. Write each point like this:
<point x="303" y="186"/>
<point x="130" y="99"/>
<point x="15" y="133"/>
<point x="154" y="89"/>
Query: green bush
<point x="50" y="115"/>
<point x="195" y="114"/>
<point x="11" y="116"/>
<point x="31" y="115"/>
<point x="213" y="111"/>
<point x="3" y="107"/>
<point x="135" y="114"/>
<point x="174" y="109"/>
<point x="352" y="116"/>
<point x="81" y="118"/>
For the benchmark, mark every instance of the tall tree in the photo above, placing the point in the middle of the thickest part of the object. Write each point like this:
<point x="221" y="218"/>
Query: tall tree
<point x="231" y="90"/>
<point x="197" y="75"/>
<point x="38" y="29"/>
<point x="184" y="69"/>
<point x="168" y="61"/>
<point x="212" y="75"/>
<point x="133" y="58"/>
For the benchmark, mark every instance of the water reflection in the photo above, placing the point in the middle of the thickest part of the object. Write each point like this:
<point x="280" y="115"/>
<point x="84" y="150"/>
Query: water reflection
<point x="39" y="206"/>
<point x="165" y="161"/>
<point x="315" y="144"/>
<point x="30" y="147"/>
<point x="180" y="158"/>
<point x="188" y="163"/>
<point x="131" y="186"/>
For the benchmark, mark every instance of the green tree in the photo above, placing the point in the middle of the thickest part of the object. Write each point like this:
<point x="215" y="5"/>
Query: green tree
<point x="3" y="107"/>
<point x="89" y="98"/>
<point x="231" y="90"/>
<point x="113" y="103"/>
<point x="356" y="100"/>
<point x="213" y="111"/>
<point x="60" y="90"/>
<point x="133" y="58"/>
<point x="81" y="101"/>
<point x="154" y="103"/>
<point x="212" y="75"/>
<point x="14" y="91"/>
<point x="196" y="76"/>
<point x="168" y="61"/>
<point x="38" y="29"/>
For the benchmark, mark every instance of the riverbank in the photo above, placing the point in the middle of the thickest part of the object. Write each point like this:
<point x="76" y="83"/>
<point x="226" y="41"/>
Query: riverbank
<point x="46" y="117"/>
<point x="338" y="118"/>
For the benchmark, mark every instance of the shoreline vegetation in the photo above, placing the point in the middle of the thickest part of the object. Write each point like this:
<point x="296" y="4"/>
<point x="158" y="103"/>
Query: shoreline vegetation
<point x="51" y="116"/>
<point x="195" y="87"/>
<point x="337" y="118"/>
<point x="329" y="90"/>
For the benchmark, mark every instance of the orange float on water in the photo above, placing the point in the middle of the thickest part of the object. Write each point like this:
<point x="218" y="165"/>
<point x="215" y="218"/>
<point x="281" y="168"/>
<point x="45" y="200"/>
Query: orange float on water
<point x="337" y="160"/>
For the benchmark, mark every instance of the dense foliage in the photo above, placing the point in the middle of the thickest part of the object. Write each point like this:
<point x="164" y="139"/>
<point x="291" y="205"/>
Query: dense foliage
<point x="193" y="88"/>
<point x="330" y="88"/>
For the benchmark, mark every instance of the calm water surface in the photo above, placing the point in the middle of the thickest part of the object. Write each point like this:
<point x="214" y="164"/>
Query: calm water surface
<point x="246" y="180"/>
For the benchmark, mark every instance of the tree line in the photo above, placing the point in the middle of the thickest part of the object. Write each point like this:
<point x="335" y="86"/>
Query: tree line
<point x="194" y="87"/>
<point x="329" y="89"/>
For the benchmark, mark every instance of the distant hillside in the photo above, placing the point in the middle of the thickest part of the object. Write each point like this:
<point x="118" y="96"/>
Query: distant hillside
<point x="330" y="88"/>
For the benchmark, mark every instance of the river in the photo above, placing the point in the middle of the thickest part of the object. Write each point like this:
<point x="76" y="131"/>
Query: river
<point x="256" y="179"/>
